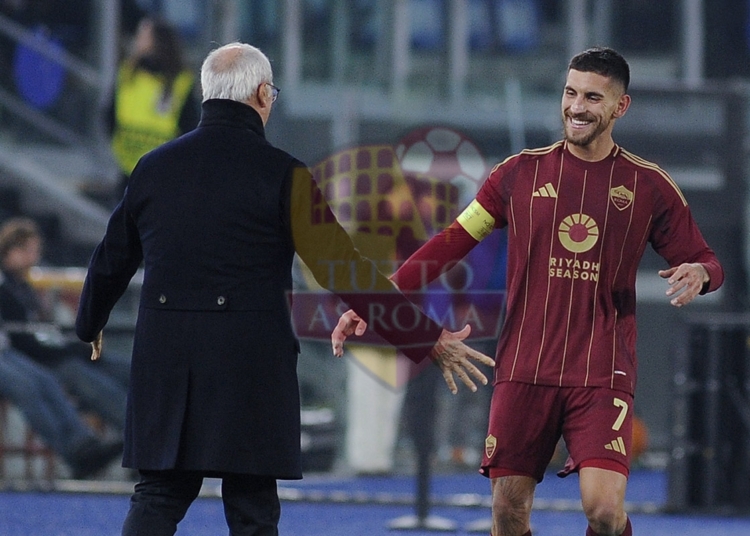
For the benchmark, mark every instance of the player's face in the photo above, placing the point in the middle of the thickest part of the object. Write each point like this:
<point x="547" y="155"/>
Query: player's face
<point x="590" y="103"/>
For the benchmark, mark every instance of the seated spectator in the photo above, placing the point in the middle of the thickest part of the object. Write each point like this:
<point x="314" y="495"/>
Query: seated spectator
<point x="49" y="412"/>
<point x="100" y="386"/>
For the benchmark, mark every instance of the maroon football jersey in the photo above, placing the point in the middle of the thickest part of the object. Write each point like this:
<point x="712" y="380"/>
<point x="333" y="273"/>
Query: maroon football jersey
<point x="576" y="233"/>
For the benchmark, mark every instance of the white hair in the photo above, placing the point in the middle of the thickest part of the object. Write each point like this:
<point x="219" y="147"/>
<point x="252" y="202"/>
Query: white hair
<point x="234" y="72"/>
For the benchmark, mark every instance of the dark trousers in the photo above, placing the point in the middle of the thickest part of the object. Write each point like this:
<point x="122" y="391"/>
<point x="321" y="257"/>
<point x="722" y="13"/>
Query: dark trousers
<point x="161" y="499"/>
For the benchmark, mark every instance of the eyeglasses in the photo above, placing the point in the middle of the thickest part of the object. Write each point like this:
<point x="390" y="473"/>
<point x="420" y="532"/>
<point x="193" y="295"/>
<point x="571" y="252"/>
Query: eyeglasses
<point x="274" y="91"/>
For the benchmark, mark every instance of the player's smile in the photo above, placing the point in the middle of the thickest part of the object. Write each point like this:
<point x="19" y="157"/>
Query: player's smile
<point x="582" y="129"/>
<point x="579" y="122"/>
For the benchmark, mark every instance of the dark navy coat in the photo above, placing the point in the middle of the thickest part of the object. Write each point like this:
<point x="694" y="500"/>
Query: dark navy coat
<point x="213" y="384"/>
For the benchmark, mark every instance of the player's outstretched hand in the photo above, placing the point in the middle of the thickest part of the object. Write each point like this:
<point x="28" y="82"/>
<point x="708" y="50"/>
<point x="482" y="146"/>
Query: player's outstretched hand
<point x="349" y="323"/>
<point x="96" y="347"/>
<point x="685" y="282"/>
<point x="452" y="355"/>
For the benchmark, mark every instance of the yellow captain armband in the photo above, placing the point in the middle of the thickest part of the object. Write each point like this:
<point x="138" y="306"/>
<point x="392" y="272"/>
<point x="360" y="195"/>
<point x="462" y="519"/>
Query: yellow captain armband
<point x="476" y="221"/>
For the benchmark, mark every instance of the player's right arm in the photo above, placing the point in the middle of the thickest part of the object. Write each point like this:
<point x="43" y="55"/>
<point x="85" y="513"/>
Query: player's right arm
<point x="445" y="249"/>
<point x="423" y="266"/>
<point x="476" y="222"/>
<point x="448" y="247"/>
<point x="426" y="264"/>
<point x="436" y="256"/>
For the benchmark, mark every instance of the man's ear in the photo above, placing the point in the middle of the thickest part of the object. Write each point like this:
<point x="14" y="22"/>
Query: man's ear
<point x="622" y="105"/>
<point x="263" y="95"/>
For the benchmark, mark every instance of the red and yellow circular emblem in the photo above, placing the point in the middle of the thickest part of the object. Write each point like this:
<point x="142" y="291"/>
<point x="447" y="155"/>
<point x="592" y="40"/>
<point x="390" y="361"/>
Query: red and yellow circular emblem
<point x="578" y="233"/>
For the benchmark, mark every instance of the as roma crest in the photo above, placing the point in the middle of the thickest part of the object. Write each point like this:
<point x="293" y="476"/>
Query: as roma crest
<point x="490" y="444"/>
<point x="621" y="197"/>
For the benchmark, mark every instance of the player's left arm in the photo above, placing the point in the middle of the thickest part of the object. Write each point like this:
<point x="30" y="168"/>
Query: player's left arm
<point x="694" y="267"/>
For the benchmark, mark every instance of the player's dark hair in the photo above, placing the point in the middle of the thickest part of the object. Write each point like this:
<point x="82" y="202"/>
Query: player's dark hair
<point x="603" y="61"/>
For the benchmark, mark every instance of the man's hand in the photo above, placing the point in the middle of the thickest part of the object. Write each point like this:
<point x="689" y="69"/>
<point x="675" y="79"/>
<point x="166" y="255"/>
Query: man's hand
<point x="349" y="323"/>
<point x="449" y="353"/>
<point x="685" y="282"/>
<point x="96" y="347"/>
<point x="452" y="355"/>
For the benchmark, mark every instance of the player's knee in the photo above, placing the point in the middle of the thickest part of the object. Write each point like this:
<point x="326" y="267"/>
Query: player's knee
<point x="605" y="517"/>
<point x="509" y="511"/>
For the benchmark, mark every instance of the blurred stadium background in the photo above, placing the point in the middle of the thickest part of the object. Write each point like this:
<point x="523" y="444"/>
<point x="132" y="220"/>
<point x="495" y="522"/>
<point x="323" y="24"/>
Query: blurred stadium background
<point x="368" y="72"/>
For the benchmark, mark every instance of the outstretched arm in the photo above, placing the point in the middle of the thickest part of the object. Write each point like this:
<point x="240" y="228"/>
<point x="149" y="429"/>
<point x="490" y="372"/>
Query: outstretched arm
<point x="450" y="353"/>
<point x="435" y="257"/>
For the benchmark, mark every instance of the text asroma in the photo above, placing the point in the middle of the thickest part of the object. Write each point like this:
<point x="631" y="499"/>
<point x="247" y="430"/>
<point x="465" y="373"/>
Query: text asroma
<point x="315" y="314"/>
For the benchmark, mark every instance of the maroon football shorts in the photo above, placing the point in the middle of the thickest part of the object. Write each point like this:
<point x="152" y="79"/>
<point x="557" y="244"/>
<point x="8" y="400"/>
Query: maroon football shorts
<point x="527" y="421"/>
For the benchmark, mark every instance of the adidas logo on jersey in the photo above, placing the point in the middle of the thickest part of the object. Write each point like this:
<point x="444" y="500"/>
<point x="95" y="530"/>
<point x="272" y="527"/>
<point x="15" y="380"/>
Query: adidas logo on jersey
<point x="546" y="191"/>
<point x="617" y="445"/>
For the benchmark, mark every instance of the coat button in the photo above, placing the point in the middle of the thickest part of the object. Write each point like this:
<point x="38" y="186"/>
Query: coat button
<point x="221" y="300"/>
<point x="162" y="299"/>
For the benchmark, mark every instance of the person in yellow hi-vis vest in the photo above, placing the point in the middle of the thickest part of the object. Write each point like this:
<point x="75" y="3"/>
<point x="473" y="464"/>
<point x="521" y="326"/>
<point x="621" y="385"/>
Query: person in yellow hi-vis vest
<point x="154" y="98"/>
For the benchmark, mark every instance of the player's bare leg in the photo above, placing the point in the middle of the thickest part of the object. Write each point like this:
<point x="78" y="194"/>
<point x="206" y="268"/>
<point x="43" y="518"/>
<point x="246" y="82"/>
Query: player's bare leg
<point x="603" y="499"/>
<point x="512" y="497"/>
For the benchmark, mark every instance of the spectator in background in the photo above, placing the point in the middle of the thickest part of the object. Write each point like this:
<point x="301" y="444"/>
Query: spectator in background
<point x="154" y="100"/>
<point x="45" y="406"/>
<point x="101" y="387"/>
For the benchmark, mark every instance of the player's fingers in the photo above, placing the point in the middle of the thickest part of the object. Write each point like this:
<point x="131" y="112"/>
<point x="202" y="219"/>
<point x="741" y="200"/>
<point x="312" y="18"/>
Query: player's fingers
<point x="466" y="379"/>
<point x="668" y="272"/>
<point x="481" y="358"/>
<point x="675" y="279"/>
<point x="689" y="294"/>
<point x="448" y="377"/>
<point x="474" y="371"/>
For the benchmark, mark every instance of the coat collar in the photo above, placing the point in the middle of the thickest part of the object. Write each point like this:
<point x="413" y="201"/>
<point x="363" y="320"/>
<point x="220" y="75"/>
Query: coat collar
<point x="231" y="113"/>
